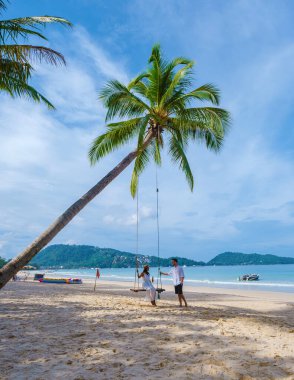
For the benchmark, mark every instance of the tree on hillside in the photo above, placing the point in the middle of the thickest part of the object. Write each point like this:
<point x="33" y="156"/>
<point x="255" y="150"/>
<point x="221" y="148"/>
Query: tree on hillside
<point x="157" y="107"/>
<point x="16" y="59"/>
<point x="2" y="262"/>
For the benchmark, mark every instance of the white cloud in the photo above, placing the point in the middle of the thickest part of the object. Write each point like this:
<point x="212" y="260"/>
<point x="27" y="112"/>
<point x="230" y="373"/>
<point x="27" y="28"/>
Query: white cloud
<point x="144" y="214"/>
<point x="97" y="56"/>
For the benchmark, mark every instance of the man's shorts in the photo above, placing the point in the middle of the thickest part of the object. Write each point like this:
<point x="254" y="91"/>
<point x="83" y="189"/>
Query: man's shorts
<point x="179" y="289"/>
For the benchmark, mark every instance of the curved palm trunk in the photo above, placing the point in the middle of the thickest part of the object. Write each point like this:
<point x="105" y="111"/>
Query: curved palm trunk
<point x="11" y="268"/>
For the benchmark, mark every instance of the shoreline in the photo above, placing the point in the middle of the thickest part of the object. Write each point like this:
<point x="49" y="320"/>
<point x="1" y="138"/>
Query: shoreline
<point x="256" y="287"/>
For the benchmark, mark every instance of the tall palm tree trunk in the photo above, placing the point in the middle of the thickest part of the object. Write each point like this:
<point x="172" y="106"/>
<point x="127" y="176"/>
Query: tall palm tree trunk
<point x="13" y="266"/>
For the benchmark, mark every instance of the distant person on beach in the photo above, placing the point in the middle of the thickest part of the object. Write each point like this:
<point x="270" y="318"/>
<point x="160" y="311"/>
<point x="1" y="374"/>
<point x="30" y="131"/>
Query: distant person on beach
<point x="147" y="284"/>
<point x="178" y="276"/>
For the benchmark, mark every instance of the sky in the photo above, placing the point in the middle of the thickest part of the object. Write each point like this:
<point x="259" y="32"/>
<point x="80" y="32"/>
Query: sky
<point x="243" y="198"/>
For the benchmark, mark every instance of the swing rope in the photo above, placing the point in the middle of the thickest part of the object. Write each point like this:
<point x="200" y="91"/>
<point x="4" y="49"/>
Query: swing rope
<point x="159" y="281"/>
<point x="136" y="280"/>
<point x="136" y="287"/>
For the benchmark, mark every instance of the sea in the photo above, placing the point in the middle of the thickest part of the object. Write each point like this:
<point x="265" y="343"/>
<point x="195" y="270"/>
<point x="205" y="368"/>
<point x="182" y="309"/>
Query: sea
<point x="275" y="278"/>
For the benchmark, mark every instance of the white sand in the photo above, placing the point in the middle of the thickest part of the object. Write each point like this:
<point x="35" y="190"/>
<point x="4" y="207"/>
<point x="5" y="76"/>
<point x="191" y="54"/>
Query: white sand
<point x="66" y="331"/>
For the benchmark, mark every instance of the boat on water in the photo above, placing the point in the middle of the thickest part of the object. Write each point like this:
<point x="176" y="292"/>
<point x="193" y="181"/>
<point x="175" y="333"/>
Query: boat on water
<point x="249" y="277"/>
<point x="38" y="276"/>
<point x="61" y="280"/>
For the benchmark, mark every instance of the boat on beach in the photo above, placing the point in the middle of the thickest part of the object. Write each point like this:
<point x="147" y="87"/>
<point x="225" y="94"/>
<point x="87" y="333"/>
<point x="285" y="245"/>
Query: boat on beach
<point x="249" y="277"/>
<point x="61" y="280"/>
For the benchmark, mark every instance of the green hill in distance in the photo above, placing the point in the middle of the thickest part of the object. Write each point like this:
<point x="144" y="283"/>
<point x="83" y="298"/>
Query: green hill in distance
<point x="85" y="256"/>
<point x="2" y="262"/>
<point x="237" y="258"/>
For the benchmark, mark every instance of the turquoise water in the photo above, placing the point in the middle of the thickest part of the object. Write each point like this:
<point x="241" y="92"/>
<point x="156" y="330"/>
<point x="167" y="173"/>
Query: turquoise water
<point x="277" y="278"/>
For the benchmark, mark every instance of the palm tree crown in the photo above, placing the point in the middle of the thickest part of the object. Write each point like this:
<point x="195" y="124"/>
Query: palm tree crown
<point x="160" y="103"/>
<point x="16" y="59"/>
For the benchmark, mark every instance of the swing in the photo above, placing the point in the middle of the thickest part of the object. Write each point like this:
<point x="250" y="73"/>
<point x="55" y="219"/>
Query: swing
<point x="137" y="288"/>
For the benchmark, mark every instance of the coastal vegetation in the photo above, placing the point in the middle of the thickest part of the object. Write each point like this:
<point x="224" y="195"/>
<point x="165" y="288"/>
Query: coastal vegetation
<point x="2" y="262"/>
<point x="159" y="105"/>
<point x="17" y="59"/>
<point x="237" y="258"/>
<point x="86" y="256"/>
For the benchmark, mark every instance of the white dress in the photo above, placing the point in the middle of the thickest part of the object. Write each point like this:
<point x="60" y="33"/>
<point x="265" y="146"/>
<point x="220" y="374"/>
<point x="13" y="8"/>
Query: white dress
<point x="147" y="284"/>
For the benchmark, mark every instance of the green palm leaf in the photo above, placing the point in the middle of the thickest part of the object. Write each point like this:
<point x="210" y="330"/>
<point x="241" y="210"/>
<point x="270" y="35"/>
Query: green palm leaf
<point x="121" y="102"/>
<point x="15" y="87"/>
<point x="141" y="162"/>
<point x="27" y="26"/>
<point x="28" y="54"/>
<point x="117" y="135"/>
<point x="177" y="153"/>
<point x="143" y="155"/>
<point x="180" y="78"/>
<point x="16" y="59"/>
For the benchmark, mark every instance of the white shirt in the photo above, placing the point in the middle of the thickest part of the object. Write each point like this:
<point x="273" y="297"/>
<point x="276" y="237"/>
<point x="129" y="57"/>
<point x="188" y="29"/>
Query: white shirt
<point x="176" y="273"/>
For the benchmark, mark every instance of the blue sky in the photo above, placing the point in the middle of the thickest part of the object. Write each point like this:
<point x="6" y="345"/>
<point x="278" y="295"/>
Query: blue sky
<point x="243" y="198"/>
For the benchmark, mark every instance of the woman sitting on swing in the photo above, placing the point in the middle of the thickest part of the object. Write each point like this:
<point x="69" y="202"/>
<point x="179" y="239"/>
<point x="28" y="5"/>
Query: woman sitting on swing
<point x="147" y="284"/>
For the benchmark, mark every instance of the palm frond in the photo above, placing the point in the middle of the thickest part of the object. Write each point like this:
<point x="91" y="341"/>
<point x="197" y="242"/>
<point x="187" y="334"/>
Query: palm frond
<point x="177" y="153"/>
<point x="207" y="123"/>
<point x="29" y="53"/>
<point x="207" y="92"/>
<point x="179" y="79"/>
<point x="15" y="69"/>
<point x="19" y="88"/>
<point x="121" y="102"/>
<point x="168" y="74"/>
<point x="10" y="31"/>
<point x="156" y="54"/>
<point x="156" y="147"/>
<point x="117" y="135"/>
<point x="16" y="59"/>
<point x="27" y="26"/>
<point x="156" y="83"/>
<point x="141" y="161"/>
<point x="138" y="85"/>
<point x="136" y="80"/>
<point x="143" y="156"/>
<point x="177" y="62"/>
<point x="37" y="22"/>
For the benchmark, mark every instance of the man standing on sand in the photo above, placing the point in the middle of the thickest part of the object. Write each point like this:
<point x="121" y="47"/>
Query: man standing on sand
<point x="178" y="276"/>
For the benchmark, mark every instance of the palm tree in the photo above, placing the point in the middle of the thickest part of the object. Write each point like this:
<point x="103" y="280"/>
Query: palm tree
<point x="156" y="107"/>
<point x="16" y="59"/>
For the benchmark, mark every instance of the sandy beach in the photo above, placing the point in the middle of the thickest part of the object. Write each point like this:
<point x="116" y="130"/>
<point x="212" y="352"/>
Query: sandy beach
<point x="51" y="331"/>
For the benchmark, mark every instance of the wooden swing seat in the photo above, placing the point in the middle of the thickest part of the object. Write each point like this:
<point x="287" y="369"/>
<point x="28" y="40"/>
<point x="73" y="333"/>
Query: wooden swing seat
<point x="159" y="290"/>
